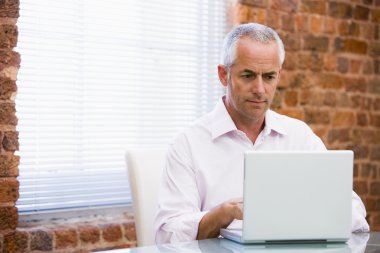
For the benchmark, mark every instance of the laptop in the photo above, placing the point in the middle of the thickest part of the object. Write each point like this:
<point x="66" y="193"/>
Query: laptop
<point x="295" y="196"/>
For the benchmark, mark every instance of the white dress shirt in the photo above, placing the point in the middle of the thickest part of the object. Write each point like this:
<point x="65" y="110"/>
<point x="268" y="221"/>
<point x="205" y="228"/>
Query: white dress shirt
<point x="205" y="166"/>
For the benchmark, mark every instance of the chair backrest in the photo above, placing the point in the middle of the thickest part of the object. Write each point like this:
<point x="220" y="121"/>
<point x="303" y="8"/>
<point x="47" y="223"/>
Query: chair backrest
<point x="145" y="169"/>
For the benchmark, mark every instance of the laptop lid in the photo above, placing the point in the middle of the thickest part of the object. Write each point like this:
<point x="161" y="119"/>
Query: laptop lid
<point x="297" y="195"/>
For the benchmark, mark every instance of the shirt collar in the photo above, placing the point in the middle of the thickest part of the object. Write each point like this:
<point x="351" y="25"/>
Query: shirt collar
<point x="222" y="123"/>
<point x="273" y="123"/>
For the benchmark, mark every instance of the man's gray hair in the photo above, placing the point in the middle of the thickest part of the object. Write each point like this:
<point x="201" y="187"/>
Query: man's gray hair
<point x="254" y="31"/>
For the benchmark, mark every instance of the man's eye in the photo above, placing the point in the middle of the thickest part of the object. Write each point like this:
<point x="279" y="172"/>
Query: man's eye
<point x="246" y="75"/>
<point x="270" y="77"/>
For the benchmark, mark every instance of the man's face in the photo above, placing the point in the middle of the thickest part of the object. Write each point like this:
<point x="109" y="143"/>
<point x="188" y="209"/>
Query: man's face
<point x="252" y="80"/>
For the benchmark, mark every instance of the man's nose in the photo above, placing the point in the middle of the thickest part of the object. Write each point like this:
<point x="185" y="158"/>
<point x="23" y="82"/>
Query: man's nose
<point x="258" y="85"/>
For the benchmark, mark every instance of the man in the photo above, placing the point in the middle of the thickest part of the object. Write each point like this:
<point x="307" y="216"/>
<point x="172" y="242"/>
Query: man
<point x="203" y="180"/>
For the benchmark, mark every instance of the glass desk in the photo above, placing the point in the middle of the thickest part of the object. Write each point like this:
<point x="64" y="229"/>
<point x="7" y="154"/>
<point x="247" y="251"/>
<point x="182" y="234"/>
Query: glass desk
<point x="358" y="243"/>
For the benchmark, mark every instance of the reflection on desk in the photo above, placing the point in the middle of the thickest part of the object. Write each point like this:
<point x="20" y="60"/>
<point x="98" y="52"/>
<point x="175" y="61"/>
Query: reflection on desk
<point x="358" y="243"/>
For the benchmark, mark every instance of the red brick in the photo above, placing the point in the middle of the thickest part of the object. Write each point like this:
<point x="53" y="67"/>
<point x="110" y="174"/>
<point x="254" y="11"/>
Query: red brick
<point x="327" y="99"/>
<point x="274" y="21"/>
<point x="375" y="189"/>
<point x="356" y="171"/>
<point x="377" y="66"/>
<point x="344" y="118"/>
<point x="241" y="14"/>
<point x="316" y="43"/>
<point x="288" y="23"/>
<point x="65" y="238"/>
<point x="291" y="98"/>
<point x="16" y="241"/>
<point x="290" y="61"/>
<point x="338" y="135"/>
<point x="360" y="151"/>
<point x="313" y="6"/>
<point x="292" y="42"/>
<point x="277" y="100"/>
<point x="316" y="24"/>
<point x="8" y="114"/>
<point x="375" y="153"/>
<point x="111" y="232"/>
<point x="362" y="119"/>
<point x="10" y="141"/>
<point x="367" y="31"/>
<point x="343" y="101"/>
<point x="293" y="113"/>
<point x="361" y="102"/>
<point x="374" y="49"/>
<point x="310" y="60"/>
<point x="373" y="204"/>
<point x="368" y="170"/>
<point x="329" y="25"/>
<point x="368" y="67"/>
<point x="129" y="231"/>
<point x="375" y="222"/>
<point x="89" y="234"/>
<point x="293" y="79"/>
<point x="376" y="104"/>
<point x="375" y="13"/>
<point x="374" y="86"/>
<point x="355" y="84"/>
<point x="8" y="218"/>
<point x="8" y="36"/>
<point x="329" y="81"/>
<point x="9" y="58"/>
<point x="351" y="46"/>
<point x="257" y="15"/>
<point x="361" y="187"/>
<point x="285" y="5"/>
<point x="9" y="9"/>
<point x="375" y="120"/>
<point x="8" y="190"/>
<point x="355" y="66"/>
<point x="361" y="12"/>
<point x="7" y="88"/>
<point x="255" y="3"/>
<point x="316" y="116"/>
<point x="340" y="10"/>
<point x="342" y="64"/>
<point x="321" y="132"/>
<point x="41" y="239"/>
<point x="9" y="165"/>
<point x="366" y="136"/>
<point x="348" y="28"/>
<point x="329" y="62"/>
<point x="302" y="23"/>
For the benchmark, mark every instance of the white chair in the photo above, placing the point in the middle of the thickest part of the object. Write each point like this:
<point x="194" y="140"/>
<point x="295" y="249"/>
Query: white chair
<point x="145" y="169"/>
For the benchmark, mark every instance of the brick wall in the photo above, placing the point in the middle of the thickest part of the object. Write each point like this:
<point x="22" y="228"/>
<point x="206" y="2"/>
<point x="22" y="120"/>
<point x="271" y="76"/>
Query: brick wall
<point x="9" y="64"/>
<point x="331" y="76"/>
<point x="73" y="235"/>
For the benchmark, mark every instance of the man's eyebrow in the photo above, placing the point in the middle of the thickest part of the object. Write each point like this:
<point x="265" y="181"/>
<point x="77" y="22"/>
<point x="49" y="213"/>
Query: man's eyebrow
<point x="247" y="70"/>
<point x="270" y="73"/>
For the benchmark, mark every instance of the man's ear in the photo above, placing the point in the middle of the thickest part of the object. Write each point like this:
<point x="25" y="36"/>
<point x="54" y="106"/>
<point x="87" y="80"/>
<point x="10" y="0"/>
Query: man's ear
<point x="223" y="74"/>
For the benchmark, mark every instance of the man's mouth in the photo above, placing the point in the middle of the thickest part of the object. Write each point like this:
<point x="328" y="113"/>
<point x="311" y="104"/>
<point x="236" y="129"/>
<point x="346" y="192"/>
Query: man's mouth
<point x="256" y="101"/>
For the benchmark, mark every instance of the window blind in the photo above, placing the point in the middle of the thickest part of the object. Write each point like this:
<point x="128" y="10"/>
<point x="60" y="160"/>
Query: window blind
<point x="100" y="77"/>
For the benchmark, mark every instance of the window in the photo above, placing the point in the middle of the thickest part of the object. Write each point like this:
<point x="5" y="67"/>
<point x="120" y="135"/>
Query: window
<point x="99" y="77"/>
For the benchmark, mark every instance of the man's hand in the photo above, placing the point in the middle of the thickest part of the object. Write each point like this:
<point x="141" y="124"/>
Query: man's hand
<point x="220" y="217"/>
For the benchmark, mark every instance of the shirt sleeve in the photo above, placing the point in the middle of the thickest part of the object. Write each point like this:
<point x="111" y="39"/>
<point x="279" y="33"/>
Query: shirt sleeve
<point x="179" y="203"/>
<point x="359" y="223"/>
